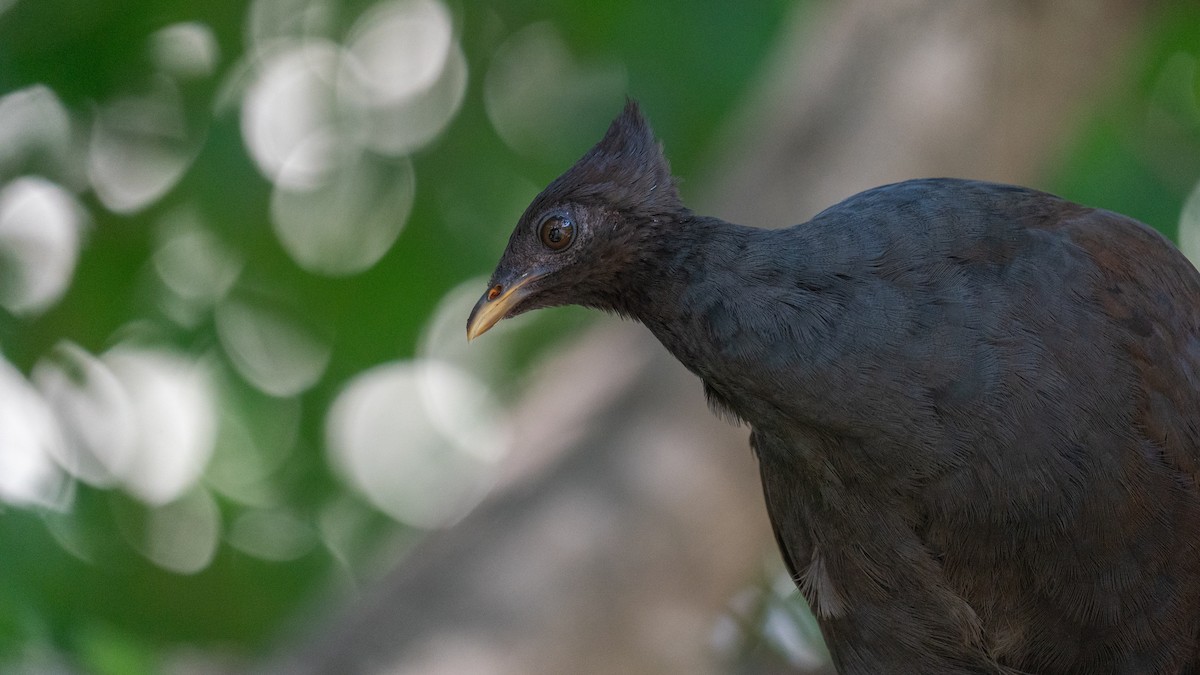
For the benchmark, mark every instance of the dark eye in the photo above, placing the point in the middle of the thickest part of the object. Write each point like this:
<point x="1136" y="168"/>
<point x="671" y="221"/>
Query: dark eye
<point x="556" y="233"/>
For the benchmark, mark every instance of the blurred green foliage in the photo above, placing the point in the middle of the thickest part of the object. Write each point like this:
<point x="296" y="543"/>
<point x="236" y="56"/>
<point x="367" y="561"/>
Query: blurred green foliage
<point x="1139" y="153"/>
<point x="111" y="610"/>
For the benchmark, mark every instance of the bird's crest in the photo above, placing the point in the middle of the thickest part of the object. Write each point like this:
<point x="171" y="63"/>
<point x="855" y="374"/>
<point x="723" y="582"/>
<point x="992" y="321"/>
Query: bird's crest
<point x="626" y="169"/>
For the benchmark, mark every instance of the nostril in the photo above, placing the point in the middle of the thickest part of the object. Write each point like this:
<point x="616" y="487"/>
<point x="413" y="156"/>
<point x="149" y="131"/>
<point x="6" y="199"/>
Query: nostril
<point x="494" y="291"/>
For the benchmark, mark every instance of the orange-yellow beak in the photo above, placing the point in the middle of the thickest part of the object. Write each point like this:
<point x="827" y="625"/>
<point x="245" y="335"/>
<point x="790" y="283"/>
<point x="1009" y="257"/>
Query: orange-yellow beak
<point x="495" y="305"/>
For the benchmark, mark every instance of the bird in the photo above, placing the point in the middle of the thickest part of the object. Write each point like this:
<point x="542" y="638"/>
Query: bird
<point x="975" y="407"/>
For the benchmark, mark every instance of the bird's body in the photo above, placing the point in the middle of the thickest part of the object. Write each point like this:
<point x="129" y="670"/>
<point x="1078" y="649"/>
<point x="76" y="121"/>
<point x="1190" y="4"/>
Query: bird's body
<point x="976" y="407"/>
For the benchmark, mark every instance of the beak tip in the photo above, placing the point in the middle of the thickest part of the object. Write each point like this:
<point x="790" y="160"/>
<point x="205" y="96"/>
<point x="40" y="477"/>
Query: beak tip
<point x="495" y="306"/>
<point x="479" y="322"/>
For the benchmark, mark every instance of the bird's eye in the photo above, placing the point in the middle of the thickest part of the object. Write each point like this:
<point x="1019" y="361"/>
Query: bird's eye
<point x="556" y="233"/>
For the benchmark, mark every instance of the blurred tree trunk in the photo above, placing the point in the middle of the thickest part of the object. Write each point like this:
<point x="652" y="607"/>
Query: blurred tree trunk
<point x="616" y="551"/>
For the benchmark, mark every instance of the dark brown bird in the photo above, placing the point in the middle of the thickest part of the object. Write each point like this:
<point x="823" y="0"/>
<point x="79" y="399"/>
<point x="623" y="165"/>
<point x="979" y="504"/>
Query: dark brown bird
<point x="975" y="407"/>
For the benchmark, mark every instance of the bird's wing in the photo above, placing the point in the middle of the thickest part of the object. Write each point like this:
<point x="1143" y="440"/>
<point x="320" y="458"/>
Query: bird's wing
<point x="1149" y="295"/>
<point x="786" y="545"/>
<point x="1109" y="425"/>
<point x="879" y="613"/>
<point x="1149" y="290"/>
<point x="791" y="523"/>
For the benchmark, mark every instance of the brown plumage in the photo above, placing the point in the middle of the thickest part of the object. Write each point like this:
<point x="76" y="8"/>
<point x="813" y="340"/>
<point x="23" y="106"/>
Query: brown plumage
<point x="976" y="407"/>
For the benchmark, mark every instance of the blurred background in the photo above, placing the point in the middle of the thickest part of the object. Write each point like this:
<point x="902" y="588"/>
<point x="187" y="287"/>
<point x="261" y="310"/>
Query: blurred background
<point x="240" y="427"/>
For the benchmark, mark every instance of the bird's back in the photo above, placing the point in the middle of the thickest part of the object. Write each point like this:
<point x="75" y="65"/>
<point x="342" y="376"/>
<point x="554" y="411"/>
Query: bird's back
<point x="1008" y="384"/>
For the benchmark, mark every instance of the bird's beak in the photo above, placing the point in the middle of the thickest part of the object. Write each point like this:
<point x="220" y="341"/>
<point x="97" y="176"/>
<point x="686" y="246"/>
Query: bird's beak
<point x="495" y="305"/>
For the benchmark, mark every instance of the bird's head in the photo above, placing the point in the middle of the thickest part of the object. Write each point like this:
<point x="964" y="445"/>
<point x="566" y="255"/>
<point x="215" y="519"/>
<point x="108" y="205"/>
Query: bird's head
<point x="583" y="238"/>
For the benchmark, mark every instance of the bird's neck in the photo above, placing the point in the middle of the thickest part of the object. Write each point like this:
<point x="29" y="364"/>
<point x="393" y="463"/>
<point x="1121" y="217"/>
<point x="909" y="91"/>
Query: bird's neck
<point x="686" y="269"/>
<point x="668" y="255"/>
<point x="730" y="301"/>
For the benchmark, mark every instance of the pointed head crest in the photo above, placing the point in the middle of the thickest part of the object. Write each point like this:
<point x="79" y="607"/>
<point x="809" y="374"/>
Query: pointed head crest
<point x="593" y="237"/>
<point x="626" y="170"/>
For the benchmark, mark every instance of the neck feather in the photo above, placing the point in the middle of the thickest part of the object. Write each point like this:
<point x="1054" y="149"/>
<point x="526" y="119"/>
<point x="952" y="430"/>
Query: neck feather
<point x="675" y="263"/>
